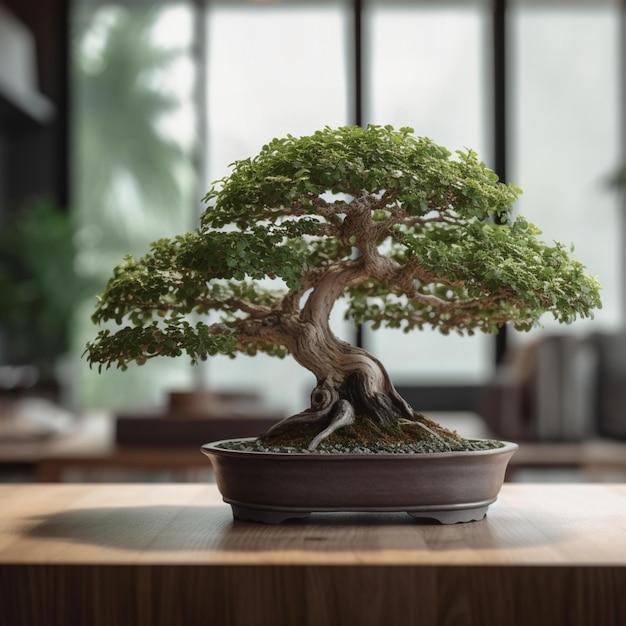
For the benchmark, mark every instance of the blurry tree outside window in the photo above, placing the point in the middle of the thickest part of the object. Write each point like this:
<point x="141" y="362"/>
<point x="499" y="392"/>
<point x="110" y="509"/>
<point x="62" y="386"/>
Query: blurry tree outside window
<point x="269" y="69"/>
<point x="133" y="154"/>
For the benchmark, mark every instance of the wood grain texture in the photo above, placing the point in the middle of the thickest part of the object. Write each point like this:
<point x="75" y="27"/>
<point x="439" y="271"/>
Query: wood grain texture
<point x="172" y="554"/>
<point x="312" y="595"/>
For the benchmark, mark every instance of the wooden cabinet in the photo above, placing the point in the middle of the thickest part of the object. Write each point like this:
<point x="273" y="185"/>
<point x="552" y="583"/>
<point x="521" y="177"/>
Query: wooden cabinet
<point x="172" y="554"/>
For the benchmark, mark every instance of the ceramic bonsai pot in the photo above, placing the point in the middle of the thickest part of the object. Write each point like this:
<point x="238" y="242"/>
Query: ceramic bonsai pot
<point x="447" y="487"/>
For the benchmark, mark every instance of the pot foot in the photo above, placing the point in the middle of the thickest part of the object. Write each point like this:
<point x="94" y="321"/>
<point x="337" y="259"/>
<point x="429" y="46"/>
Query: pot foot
<point x="441" y="516"/>
<point x="451" y="517"/>
<point x="246" y="514"/>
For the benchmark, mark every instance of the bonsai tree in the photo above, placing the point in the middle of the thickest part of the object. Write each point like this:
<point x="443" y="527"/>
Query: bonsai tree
<point x="406" y="233"/>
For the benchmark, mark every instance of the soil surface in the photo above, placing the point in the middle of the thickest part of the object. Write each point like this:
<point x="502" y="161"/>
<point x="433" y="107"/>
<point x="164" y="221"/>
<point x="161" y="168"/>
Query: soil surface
<point x="419" y="435"/>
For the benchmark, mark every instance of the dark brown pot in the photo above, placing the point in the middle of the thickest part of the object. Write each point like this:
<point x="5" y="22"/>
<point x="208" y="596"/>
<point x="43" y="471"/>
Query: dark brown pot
<point x="447" y="487"/>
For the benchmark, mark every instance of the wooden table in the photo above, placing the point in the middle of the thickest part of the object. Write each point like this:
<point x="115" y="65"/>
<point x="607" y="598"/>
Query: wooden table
<point x="594" y="459"/>
<point x="89" y="453"/>
<point x="172" y="554"/>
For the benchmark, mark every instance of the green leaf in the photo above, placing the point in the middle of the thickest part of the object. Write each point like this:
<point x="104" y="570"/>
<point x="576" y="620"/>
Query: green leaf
<point x="448" y="252"/>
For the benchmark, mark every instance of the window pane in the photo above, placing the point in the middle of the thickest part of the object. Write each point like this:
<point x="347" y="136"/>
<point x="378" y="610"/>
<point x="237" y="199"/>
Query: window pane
<point x="272" y="70"/>
<point x="426" y="70"/>
<point x="133" y="177"/>
<point x="566" y="136"/>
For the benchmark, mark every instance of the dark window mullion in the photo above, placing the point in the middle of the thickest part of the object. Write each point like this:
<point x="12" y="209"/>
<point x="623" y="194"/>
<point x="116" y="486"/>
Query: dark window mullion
<point x="357" y="95"/>
<point x="500" y="136"/>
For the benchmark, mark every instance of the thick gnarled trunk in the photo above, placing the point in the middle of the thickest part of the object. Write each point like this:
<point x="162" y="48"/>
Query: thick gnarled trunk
<point x="351" y="384"/>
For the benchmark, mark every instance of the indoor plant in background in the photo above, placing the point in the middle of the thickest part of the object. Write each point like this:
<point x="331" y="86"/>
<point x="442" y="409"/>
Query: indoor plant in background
<point x="408" y="236"/>
<point x="40" y="286"/>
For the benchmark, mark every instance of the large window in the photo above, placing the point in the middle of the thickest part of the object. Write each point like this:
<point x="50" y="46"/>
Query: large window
<point x="427" y="68"/>
<point x="271" y="71"/>
<point x="133" y="163"/>
<point x="566" y="110"/>
<point x="160" y="89"/>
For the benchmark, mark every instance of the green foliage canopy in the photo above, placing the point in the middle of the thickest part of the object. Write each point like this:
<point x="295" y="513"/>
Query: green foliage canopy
<point x="412" y="235"/>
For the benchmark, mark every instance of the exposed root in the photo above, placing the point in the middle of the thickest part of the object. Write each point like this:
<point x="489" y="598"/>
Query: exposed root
<point x="366" y="432"/>
<point x="432" y="432"/>
<point x="342" y="416"/>
<point x="333" y="409"/>
<point x="306" y="417"/>
<point x="386" y="407"/>
<point x="323" y="399"/>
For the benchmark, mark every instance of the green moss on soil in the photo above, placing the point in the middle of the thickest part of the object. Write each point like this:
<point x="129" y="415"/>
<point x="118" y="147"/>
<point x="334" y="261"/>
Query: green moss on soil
<point x="419" y="435"/>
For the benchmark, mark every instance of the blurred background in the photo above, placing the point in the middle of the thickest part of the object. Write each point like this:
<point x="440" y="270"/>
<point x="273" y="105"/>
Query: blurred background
<point x="116" y="116"/>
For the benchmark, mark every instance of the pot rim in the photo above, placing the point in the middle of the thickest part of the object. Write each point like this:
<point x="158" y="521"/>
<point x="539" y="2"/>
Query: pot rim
<point x="212" y="447"/>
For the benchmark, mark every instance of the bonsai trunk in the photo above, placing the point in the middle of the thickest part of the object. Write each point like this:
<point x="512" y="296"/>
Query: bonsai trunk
<point x="352" y="384"/>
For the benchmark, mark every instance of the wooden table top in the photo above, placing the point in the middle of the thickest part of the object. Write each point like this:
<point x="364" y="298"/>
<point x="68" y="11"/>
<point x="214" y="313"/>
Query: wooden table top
<point x="547" y="524"/>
